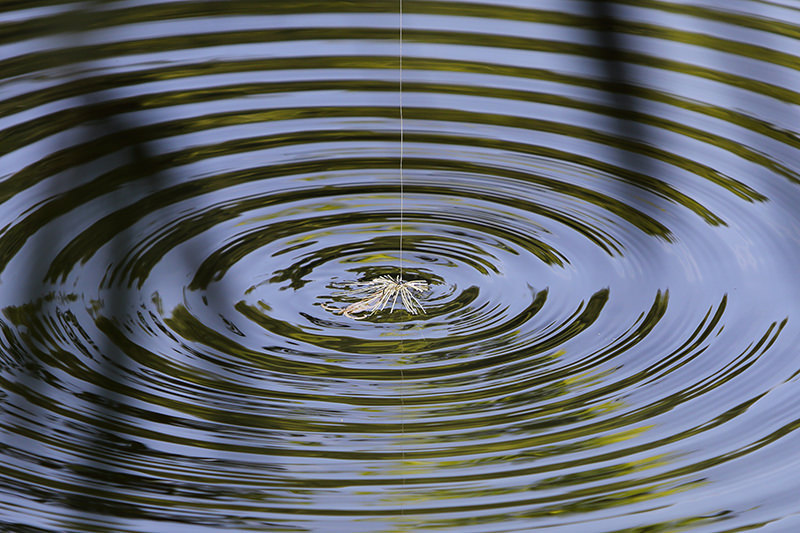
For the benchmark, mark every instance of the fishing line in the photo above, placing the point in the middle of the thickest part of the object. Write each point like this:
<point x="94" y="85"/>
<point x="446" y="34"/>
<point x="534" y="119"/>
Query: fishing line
<point x="401" y="140"/>
<point x="402" y="376"/>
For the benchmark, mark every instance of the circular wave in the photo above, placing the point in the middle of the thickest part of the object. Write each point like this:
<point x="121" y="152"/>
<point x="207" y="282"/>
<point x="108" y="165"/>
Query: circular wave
<point x="601" y="198"/>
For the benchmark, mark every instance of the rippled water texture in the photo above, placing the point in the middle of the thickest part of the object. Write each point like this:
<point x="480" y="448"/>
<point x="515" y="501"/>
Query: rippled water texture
<point x="602" y="196"/>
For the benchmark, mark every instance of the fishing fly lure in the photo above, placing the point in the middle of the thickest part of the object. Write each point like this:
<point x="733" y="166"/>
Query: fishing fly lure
<point x="374" y="296"/>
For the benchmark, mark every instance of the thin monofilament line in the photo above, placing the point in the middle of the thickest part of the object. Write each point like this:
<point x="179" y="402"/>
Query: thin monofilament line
<point x="402" y="376"/>
<point x="401" y="140"/>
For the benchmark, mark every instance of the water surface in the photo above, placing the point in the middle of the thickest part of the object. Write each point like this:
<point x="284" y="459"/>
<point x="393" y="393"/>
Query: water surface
<point x="602" y="196"/>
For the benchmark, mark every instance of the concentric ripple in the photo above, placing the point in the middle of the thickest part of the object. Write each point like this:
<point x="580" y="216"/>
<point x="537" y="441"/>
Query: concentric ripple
<point x="602" y="197"/>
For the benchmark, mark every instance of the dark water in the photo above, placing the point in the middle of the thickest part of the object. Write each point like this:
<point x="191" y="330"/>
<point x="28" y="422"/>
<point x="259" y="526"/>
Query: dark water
<point x="603" y="196"/>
